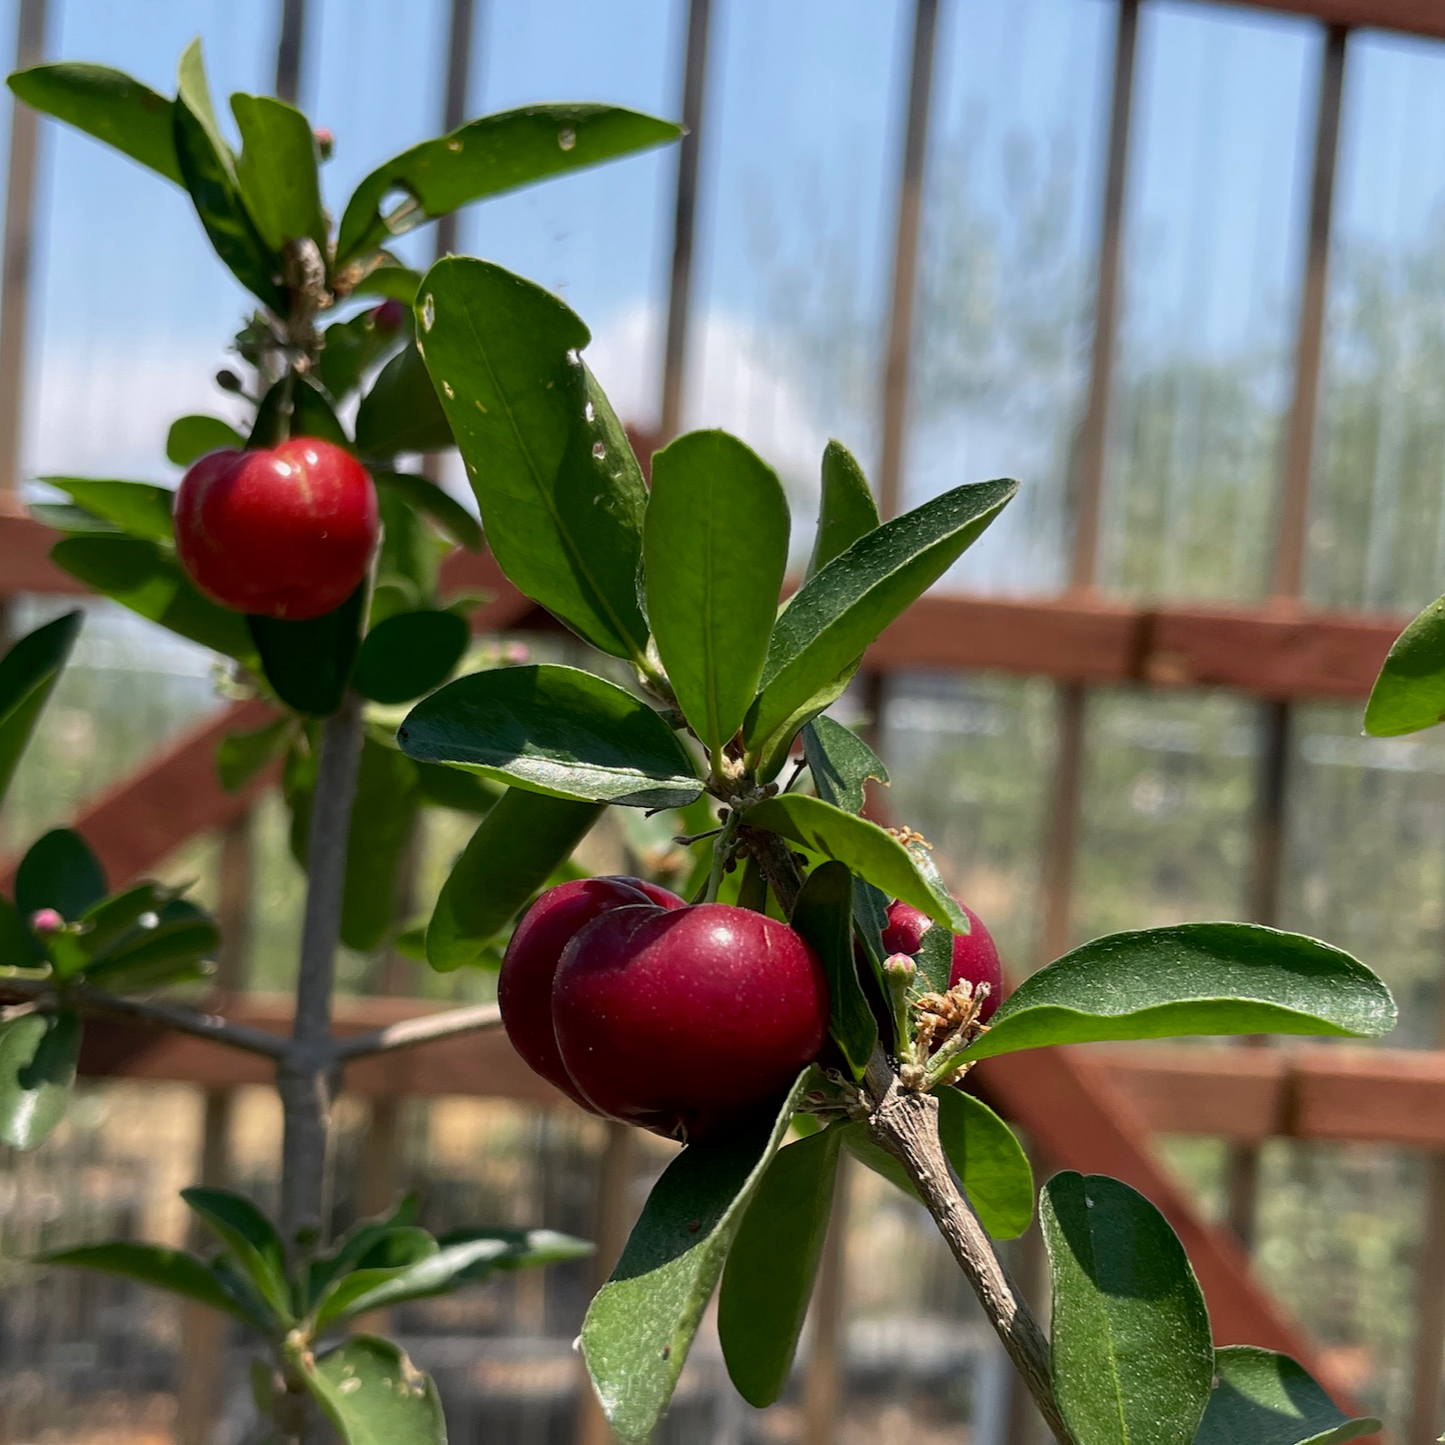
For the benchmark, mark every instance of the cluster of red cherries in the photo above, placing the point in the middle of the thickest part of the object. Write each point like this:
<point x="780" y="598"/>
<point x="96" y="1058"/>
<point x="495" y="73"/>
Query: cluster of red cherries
<point x="683" y="1019"/>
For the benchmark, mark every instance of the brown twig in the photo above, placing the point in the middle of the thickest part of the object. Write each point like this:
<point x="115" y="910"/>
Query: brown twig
<point x="410" y="1032"/>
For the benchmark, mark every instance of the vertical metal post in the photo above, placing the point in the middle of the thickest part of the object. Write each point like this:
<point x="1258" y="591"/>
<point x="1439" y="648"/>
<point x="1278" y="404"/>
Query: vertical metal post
<point x="684" y="222"/>
<point x="288" y="50"/>
<point x="454" y="106"/>
<point x="1276" y="715"/>
<point x="18" y="238"/>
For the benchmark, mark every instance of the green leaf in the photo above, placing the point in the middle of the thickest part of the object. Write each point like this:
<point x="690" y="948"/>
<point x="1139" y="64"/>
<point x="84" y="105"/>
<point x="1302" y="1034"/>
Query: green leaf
<point x="251" y="1239"/>
<point x="19" y="948"/>
<point x="140" y="508"/>
<point x="846" y="509"/>
<point x="29" y="671"/>
<point x="70" y="519"/>
<point x="429" y="499"/>
<point x="294" y="407"/>
<point x="1409" y="693"/>
<point x="553" y="730"/>
<point x="390" y="280"/>
<point x="172" y="1270"/>
<point x="1194" y="978"/>
<point x="641" y="1323"/>
<point x="181" y="937"/>
<point x="1130" y="1354"/>
<point x="771" y="1267"/>
<point x="140" y="575"/>
<point x="825" y="629"/>
<point x="990" y="1161"/>
<point x="355" y="1244"/>
<point x="38" y="1054"/>
<point x="241" y="756"/>
<point x="840" y="763"/>
<point x="352" y="347"/>
<point x="109" y="105"/>
<point x="373" y="1394"/>
<point x="823" y="915"/>
<point x="444" y="787"/>
<point x="191" y="437"/>
<point x="486" y="157"/>
<point x="1261" y="1398"/>
<point x="715" y="546"/>
<point x="208" y="171"/>
<point x="410" y="654"/>
<point x="309" y="663"/>
<point x="561" y="494"/>
<point x="401" y="412"/>
<point x="868" y="850"/>
<point x="106" y="924"/>
<point x="277" y="171"/>
<point x="517" y="847"/>
<point x="59" y="871"/>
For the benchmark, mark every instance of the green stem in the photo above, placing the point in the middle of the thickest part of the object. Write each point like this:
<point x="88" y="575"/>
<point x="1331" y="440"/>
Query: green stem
<point x="722" y="850"/>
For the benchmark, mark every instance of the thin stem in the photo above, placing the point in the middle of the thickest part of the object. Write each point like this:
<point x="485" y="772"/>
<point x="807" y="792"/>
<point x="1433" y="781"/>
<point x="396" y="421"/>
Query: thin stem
<point x="410" y="1032"/>
<point x="722" y="850"/>
<point x="304" y="1077"/>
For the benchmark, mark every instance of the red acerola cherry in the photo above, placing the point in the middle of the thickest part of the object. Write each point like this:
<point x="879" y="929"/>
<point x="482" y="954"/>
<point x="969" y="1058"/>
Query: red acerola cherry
<point x="524" y="989"/>
<point x="286" y="531"/>
<point x="975" y="958"/>
<point x="387" y="317"/>
<point x="685" y="1022"/>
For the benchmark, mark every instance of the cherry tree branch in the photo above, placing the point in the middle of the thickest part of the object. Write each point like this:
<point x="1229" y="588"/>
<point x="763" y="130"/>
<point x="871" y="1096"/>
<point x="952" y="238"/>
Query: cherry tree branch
<point x="409" y="1032"/>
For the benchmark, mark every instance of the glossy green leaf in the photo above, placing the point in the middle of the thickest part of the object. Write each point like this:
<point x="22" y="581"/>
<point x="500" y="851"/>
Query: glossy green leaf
<point x="140" y="575"/>
<point x="1409" y="693"/>
<point x="38" y="1054"/>
<point x="139" y="508"/>
<point x="353" y="1246"/>
<point x="1194" y="978"/>
<point x="28" y="673"/>
<point x="715" y="546"/>
<point x="401" y="412"/>
<point x="823" y="915"/>
<point x="486" y="157"/>
<point x="191" y="437"/>
<point x="73" y="521"/>
<point x="846" y="509"/>
<point x="351" y="348"/>
<point x="554" y="730"/>
<point x="59" y="871"/>
<point x="109" y="105"/>
<point x="560" y="492"/>
<point x="309" y="663"/>
<point x="208" y="171"/>
<point x="106" y="924"/>
<point x="172" y="1270"/>
<point x="444" y="787"/>
<point x="641" y="1323"/>
<point x="163" y="952"/>
<point x="1131" y="1355"/>
<point x="250" y="1238"/>
<point x="840" y="764"/>
<point x="241" y="756"/>
<point x="989" y="1160"/>
<point x="391" y="281"/>
<point x="824" y="630"/>
<point x="514" y="851"/>
<point x="410" y="654"/>
<point x="19" y="948"/>
<point x="429" y="499"/>
<point x="294" y="407"/>
<point x="868" y="850"/>
<point x="772" y="1264"/>
<point x="1262" y="1398"/>
<point x="373" y="1394"/>
<point x="277" y="171"/>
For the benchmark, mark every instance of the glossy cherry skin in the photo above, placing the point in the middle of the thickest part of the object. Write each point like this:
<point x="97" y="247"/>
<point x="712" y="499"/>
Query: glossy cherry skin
<point x="285" y="531"/>
<point x="690" y="1021"/>
<point x="975" y="958"/>
<point x="524" y="988"/>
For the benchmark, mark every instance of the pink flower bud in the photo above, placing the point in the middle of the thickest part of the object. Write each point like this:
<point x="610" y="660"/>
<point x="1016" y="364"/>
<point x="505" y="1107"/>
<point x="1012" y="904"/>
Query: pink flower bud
<point x="46" y="920"/>
<point x="325" y="143"/>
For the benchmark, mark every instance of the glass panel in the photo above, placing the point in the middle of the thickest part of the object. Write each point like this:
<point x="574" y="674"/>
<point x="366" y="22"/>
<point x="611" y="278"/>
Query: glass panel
<point x="1378" y="532"/>
<point x="1217" y="192"/>
<point x="1007" y="268"/>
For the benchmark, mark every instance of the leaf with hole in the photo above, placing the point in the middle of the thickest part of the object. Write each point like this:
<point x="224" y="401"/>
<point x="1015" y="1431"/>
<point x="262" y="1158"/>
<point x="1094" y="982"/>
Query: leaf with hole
<point x="409" y="654"/>
<point x="38" y="1056"/>
<point x="486" y="157"/>
<point x="191" y="437"/>
<point x="139" y="508"/>
<point x="373" y="1394"/>
<point x="712" y="593"/>
<point x="309" y="663"/>
<point x="641" y="1324"/>
<point x="29" y="671"/>
<point x="772" y="1264"/>
<point x="554" y="730"/>
<point x="823" y="914"/>
<point x="1131" y="1355"/>
<point x="1193" y="978"/>
<point x="846" y="509"/>
<point x="1263" y="1398"/>
<point x="560" y="492"/>
<point x="840" y="764"/>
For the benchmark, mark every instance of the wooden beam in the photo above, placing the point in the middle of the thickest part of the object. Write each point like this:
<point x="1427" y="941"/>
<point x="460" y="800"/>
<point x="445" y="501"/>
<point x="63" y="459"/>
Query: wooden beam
<point x="1413" y="17"/>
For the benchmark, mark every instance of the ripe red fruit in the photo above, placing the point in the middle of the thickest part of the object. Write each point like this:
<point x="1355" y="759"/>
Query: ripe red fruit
<point x="686" y="1022"/>
<point x="975" y="958"/>
<point x="524" y="989"/>
<point x="286" y="531"/>
<point x="387" y="317"/>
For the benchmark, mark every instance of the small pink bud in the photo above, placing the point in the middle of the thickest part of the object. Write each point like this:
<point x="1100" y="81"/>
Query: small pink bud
<point x="516" y="652"/>
<point x="325" y="143"/>
<point x="46" y="920"/>
<point x="899" y="965"/>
